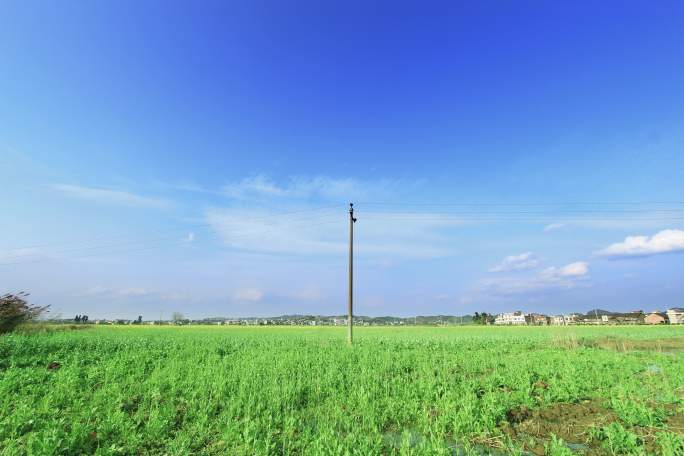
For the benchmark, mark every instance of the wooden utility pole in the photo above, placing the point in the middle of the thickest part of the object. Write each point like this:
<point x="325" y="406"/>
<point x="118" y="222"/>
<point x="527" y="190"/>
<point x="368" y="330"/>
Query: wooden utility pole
<point x="350" y="316"/>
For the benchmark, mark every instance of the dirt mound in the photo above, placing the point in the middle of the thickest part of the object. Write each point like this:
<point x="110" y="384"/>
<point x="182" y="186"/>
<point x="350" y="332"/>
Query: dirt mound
<point x="571" y="422"/>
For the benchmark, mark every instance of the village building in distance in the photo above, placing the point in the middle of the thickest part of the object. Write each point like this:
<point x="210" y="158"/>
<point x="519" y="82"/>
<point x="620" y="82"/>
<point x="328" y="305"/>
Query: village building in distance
<point x="672" y="316"/>
<point x="675" y="315"/>
<point x="656" y="318"/>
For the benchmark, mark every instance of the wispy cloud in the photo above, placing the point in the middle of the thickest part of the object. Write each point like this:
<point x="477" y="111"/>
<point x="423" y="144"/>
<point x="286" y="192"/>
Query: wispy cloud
<point x="109" y="196"/>
<point x="17" y="255"/>
<point x="324" y="232"/>
<point x="517" y="263"/>
<point x="577" y="269"/>
<point x="547" y="280"/>
<point x="300" y="187"/>
<point x="135" y="292"/>
<point x="131" y="293"/>
<point x="666" y="241"/>
<point x="553" y="227"/>
<point x="248" y="294"/>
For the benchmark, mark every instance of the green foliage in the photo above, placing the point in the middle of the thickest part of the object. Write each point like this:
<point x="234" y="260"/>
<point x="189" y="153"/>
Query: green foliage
<point x="670" y="444"/>
<point x="617" y="440"/>
<point x="15" y="310"/>
<point x="301" y="390"/>
<point x="557" y="447"/>
<point x="635" y="413"/>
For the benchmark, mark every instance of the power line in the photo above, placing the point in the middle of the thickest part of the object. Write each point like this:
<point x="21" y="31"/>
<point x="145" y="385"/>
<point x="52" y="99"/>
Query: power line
<point x="562" y="203"/>
<point x="563" y="211"/>
<point x="159" y="245"/>
<point x="185" y="228"/>
<point x="179" y="228"/>
<point x="124" y="243"/>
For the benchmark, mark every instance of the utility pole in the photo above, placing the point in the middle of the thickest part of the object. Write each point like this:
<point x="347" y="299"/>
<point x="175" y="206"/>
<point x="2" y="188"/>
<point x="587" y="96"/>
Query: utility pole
<point x="350" y="317"/>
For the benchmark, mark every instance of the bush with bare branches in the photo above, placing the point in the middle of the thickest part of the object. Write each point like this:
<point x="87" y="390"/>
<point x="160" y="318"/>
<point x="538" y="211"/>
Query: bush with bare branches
<point x="15" y="309"/>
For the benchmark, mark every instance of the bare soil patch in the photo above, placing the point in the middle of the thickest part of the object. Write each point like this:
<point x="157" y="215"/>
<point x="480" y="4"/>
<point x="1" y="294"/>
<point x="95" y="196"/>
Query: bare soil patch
<point x="571" y="422"/>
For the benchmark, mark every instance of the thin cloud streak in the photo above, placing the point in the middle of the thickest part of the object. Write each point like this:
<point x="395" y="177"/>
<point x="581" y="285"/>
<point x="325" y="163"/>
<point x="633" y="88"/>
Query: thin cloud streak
<point x="325" y="232"/>
<point x="109" y="196"/>
<point x="520" y="262"/>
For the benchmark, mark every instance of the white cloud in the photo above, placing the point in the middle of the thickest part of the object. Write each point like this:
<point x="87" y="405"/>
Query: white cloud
<point x="248" y="294"/>
<point x="665" y="241"/>
<point x="325" y="232"/>
<point x="517" y="263"/>
<point x="93" y="291"/>
<point x="299" y="187"/>
<point x="553" y="227"/>
<point x="255" y="185"/>
<point x="108" y="196"/>
<point x="577" y="269"/>
<point x="130" y="293"/>
<point x="20" y="255"/>
<point x="135" y="292"/>
<point x="550" y="279"/>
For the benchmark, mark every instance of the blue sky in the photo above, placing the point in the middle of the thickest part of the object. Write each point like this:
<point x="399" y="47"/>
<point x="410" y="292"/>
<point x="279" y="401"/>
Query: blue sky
<point x="165" y="156"/>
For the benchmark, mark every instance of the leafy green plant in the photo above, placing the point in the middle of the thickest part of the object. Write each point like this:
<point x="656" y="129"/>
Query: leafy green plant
<point x="617" y="440"/>
<point x="557" y="447"/>
<point x="670" y="444"/>
<point x="635" y="413"/>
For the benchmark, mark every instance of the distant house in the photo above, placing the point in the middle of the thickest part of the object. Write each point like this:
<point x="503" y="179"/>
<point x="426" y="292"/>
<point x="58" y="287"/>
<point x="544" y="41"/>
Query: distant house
<point x="589" y="320"/>
<point x="630" y="318"/>
<point x="537" y="319"/>
<point x="560" y="320"/>
<point x="510" y="318"/>
<point x="655" y="318"/>
<point x="675" y="315"/>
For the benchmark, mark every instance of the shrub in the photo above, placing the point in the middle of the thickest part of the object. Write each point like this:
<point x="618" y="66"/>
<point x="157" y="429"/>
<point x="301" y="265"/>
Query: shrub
<point x="617" y="440"/>
<point x="14" y="310"/>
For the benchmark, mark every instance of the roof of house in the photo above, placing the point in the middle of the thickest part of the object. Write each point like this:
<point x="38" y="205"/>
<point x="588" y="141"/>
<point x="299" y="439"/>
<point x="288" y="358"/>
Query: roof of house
<point x="676" y="309"/>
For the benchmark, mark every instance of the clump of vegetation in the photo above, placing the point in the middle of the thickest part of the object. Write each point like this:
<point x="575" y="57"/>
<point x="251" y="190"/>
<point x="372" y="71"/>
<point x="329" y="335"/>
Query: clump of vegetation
<point x="15" y="310"/>
<point x="616" y="439"/>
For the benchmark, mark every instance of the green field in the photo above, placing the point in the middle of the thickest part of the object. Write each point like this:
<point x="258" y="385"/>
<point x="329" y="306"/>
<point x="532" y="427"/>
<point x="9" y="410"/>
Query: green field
<point x="282" y="390"/>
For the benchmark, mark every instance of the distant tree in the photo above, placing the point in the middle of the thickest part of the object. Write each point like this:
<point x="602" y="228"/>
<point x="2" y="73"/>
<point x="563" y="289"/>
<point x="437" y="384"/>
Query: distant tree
<point x="139" y="320"/>
<point x="177" y="318"/>
<point x="84" y="319"/>
<point x="482" y="318"/>
<point x="14" y="310"/>
<point x="77" y="319"/>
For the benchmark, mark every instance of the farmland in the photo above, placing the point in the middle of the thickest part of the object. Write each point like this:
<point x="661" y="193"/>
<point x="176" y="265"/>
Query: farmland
<point x="414" y="390"/>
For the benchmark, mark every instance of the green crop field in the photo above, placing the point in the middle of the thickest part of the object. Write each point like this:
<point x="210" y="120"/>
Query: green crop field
<point x="282" y="390"/>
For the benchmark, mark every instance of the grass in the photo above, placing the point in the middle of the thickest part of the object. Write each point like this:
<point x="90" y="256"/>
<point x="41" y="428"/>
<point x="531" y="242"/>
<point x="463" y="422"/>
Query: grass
<point x="283" y="390"/>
